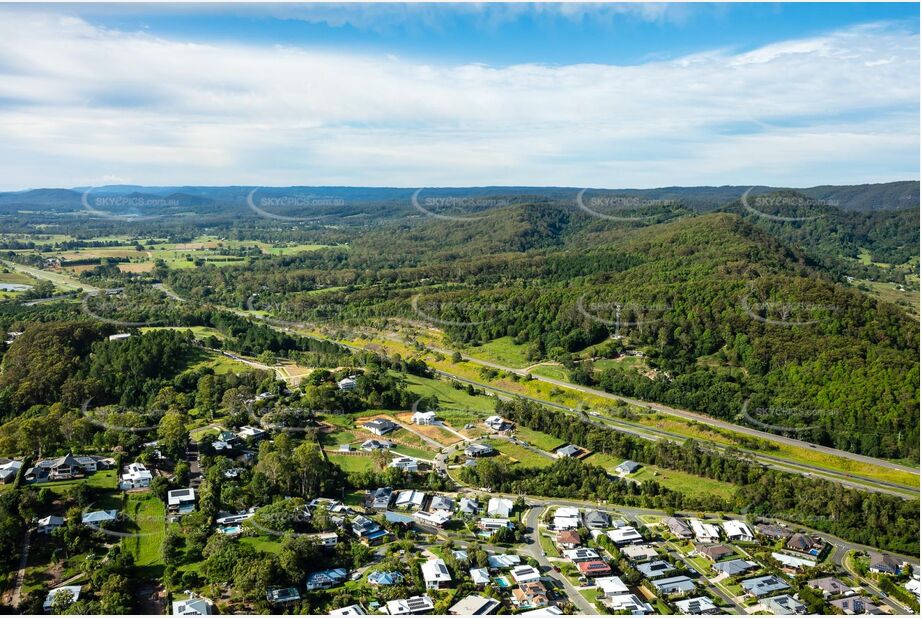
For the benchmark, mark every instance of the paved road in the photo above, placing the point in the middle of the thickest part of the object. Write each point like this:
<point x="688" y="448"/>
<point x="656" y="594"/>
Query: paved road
<point x="16" y="597"/>
<point x="532" y="521"/>
<point x="652" y="433"/>
<point x="686" y="414"/>
<point x="59" y="279"/>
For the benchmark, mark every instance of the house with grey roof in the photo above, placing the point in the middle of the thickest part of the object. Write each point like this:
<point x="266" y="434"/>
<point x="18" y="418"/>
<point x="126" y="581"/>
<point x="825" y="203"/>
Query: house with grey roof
<point x="763" y="586"/>
<point x="627" y="467"/>
<point x="856" y="606"/>
<point x="783" y="605"/>
<point x="735" y="567"/>
<point x="830" y="586"/>
<point x="674" y="586"/>
<point x="697" y="606"/>
<point x="678" y="527"/>
<point x="655" y="569"/>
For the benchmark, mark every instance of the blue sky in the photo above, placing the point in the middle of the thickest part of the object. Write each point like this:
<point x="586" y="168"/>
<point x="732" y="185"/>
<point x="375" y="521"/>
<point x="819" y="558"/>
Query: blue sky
<point x="612" y="95"/>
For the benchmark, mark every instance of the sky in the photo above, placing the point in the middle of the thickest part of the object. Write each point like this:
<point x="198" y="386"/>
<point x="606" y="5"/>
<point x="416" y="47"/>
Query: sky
<point x="420" y="95"/>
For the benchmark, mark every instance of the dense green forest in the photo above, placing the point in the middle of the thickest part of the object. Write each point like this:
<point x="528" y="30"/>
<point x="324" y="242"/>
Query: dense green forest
<point x="724" y="310"/>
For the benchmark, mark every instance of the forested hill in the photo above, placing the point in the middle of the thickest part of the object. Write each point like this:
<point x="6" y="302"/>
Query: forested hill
<point x="724" y="312"/>
<point x="364" y="204"/>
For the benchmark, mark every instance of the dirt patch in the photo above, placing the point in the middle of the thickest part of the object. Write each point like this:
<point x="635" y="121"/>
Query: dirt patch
<point x="430" y="431"/>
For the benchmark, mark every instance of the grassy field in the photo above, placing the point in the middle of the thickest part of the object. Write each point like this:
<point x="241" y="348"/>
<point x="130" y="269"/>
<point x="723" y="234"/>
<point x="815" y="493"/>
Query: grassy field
<point x="352" y="463"/>
<point x="551" y="371"/>
<point x="104" y="479"/>
<point x="688" y="484"/>
<point x="448" y="396"/>
<point x="573" y="398"/>
<point x="906" y="298"/>
<point x="199" y="332"/>
<point x="267" y="544"/>
<point x="149" y="516"/>
<point x="540" y="440"/>
<point x="520" y="454"/>
<point x="503" y="351"/>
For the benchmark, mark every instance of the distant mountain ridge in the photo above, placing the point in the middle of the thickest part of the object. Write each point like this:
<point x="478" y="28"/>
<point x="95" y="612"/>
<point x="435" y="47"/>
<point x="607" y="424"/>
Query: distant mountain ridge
<point x="863" y="197"/>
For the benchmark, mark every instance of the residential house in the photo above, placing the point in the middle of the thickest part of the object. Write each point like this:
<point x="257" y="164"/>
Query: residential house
<point x="441" y="503"/>
<point x="136" y="476"/>
<point x="380" y="426"/>
<point x="478" y="450"/>
<point x="368" y="531"/>
<point x="698" y="606"/>
<point x="9" y="468"/>
<point x="406" y="464"/>
<point x="99" y="518"/>
<point x="783" y="605"/>
<point x="180" y="501"/>
<point x="626" y="535"/>
<point x="282" y="596"/>
<point x="678" y="528"/>
<point x="385" y="578"/>
<point x="627" y="467"/>
<point x="497" y="423"/>
<point x="411" y="606"/>
<point x="611" y="586"/>
<point x="379" y="498"/>
<point x="193" y="606"/>
<point x="831" y="586"/>
<point x="499" y="507"/>
<point x="655" y="569"/>
<point x="704" y="533"/>
<point x="805" y="544"/>
<point x="738" y="531"/>
<point x="763" y="586"/>
<point x="773" y="531"/>
<point x="376" y="445"/>
<point x="640" y="552"/>
<point x="63" y="468"/>
<point x="468" y="506"/>
<point x="714" y="553"/>
<point x="628" y="604"/>
<point x="409" y="499"/>
<point x="570" y="450"/>
<point x="437" y="519"/>
<point x="735" y="567"/>
<point x="73" y="591"/>
<point x="530" y="595"/>
<point x="321" y="580"/>
<point x="326" y="540"/>
<point x="349" y="610"/>
<point x="568" y="539"/>
<point x="594" y="568"/>
<point x="884" y="563"/>
<point x="474" y="605"/>
<point x="479" y="577"/>
<point x="424" y="418"/>
<point x="674" y="586"/>
<point x="524" y="573"/>
<point x="581" y="554"/>
<point x="347" y="384"/>
<point x="797" y="563"/>
<point x="597" y="520"/>
<point x="435" y="573"/>
<point x="253" y="434"/>
<point x="855" y="606"/>
<point x="503" y="561"/>
<point x="460" y="555"/>
<point x="491" y="524"/>
<point x="47" y="525"/>
<point x="553" y="610"/>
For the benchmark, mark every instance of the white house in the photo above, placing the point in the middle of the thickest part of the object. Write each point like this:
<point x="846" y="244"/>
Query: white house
<point x="499" y="507"/>
<point x="435" y="518"/>
<point x="181" y="501"/>
<point x="497" y="423"/>
<point x="347" y="383"/>
<point x="193" y="606"/>
<point x="349" y="610"/>
<point x="9" y="468"/>
<point x="413" y="605"/>
<point x="627" y="604"/>
<point x="248" y="432"/>
<point x="611" y="586"/>
<point x="627" y="535"/>
<point x="424" y="418"/>
<point x="738" y="531"/>
<point x="47" y="525"/>
<point x="136" y="476"/>
<point x="704" y="533"/>
<point x="491" y="524"/>
<point x="410" y="499"/>
<point x="525" y="573"/>
<point x="96" y="518"/>
<point x="435" y="573"/>
<point x="407" y="464"/>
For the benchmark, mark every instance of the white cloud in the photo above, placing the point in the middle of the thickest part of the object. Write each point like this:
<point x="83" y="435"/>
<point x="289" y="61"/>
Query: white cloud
<point x="80" y="103"/>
